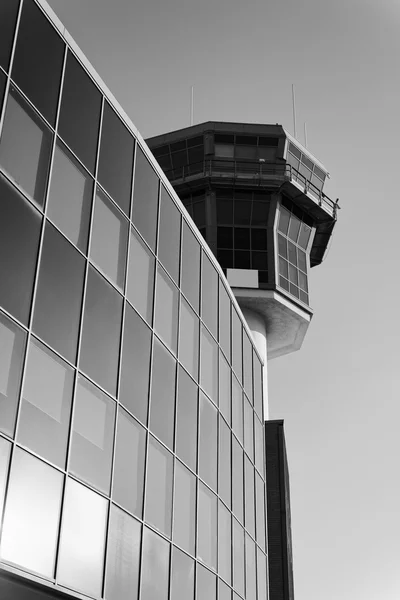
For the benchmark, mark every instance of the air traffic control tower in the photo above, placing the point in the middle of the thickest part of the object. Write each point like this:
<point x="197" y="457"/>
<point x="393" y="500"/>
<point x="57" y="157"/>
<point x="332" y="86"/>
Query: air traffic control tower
<point x="257" y="197"/>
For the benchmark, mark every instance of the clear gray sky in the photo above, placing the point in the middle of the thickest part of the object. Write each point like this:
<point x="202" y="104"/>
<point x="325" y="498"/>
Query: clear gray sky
<point x="339" y="395"/>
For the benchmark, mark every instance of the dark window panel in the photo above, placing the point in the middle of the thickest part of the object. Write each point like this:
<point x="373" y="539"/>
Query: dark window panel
<point x="169" y="237"/>
<point x="38" y="60"/>
<point x="224" y="463"/>
<point x="184" y="508"/>
<point x="246" y="152"/>
<point x="140" y="287"/>
<point x="92" y="436"/>
<point x="237" y="480"/>
<point x="70" y="197"/>
<point x="123" y="555"/>
<point x="223" y="138"/>
<point x="294" y="228"/>
<point x="2" y="86"/>
<point x="12" y="350"/>
<point x="225" y="237"/>
<point x="260" y="213"/>
<point x="242" y="238"/>
<point x="80" y="113"/>
<point x="208" y="442"/>
<point x="59" y="295"/>
<point x="205" y="584"/>
<point x="19" y="241"/>
<point x="175" y="146"/>
<point x="158" y="510"/>
<point x="8" y="19"/>
<point x="224" y="543"/>
<point x="259" y="261"/>
<point x="190" y="282"/>
<point x="116" y="159"/>
<point x="207" y="527"/>
<point x="224" y="211"/>
<point x="189" y="339"/>
<point x="258" y="239"/>
<point x="25" y="147"/>
<point x="5" y="451"/>
<point x="242" y="212"/>
<point x="135" y="365"/>
<point x="162" y="402"/>
<point x="284" y="217"/>
<point x="129" y="464"/>
<point x="209" y="295"/>
<point x="155" y="559"/>
<point x="242" y="259"/>
<point x="199" y="213"/>
<point x="166" y="310"/>
<point x="186" y="420"/>
<point x="145" y="199"/>
<point x="101" y="332"/>
<point x="282" y="246"/>
<point x="225" y="258"/>
<point x="238" y="558"/>
<point x="182" y="579"/>
<point x="46" y="404"/>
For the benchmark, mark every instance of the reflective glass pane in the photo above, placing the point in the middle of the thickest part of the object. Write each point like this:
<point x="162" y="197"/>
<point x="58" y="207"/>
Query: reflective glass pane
<point x="25" y="147"/>
<point x="32" y="514"/>
<point x="182" y="579"/>
<point x="238" y="558"/>
<point x="224" y="472"/>
<point x="247" y="367"/>
<point x="224" y="320"/>
<point x="169" y="236"/>
<point x="259" y="445"/>
<point x="294" y="228"/>
<point x="186" y="420"/>
<point x="236" y="344"/>
<point x="190" y="282"/>
<point x="92" y="436"/>
<point x="19" y="241"/>
<point x="209" y="295"/>
<point x="155" y="559"/>
<point x="257" y="379"/>
<point x="70" y="197"/>
<point x="249" y="496"/>
<point x="225" y="388"/>
<point x="79" y="117"/>
<point x="46" y="404"/>
<point x="262" y="582"/>
<point x="38" y="60"/>
<point x="59" y="294"/>
<point x="116" y="159"/>
<point x="248" y="429"/>
<point x="237" y="409"/>
<point x="123" y="554"/>
<point x="224" y="543"/>
<point x="224" y="592"/>
<point x="284" y="217"/>
<point x="145" y="199"/>
<point x="209" y="365"/>
<point x="189" y="339"/>
<point x="251" y="591"/>
<point x="8" y="19"/>
<point x="207" y="527"/>
<point x="260" y="511"/>
<point x="135" y="365"/>
<point x="302" y="260"/>
<point x="305" y="232"/>
<point x="5" y="449"/>
<point x="101" y="332"/>
<point x="129" y="464"/>
<point x="158" y="509"/>
<point x="205" y="584"/>
<point x="237" y="480"/>
<point x="208" y="442"/>
<point x="140" y="287"/>
<point x="2" y="86"/>
<point x="184" y="508"/>
<point x="109" y="240"/>
<point x="162" y="402"/>
<point x="83" y="532"/>
<point x="166" y="311"/>
<point x="12" y="349"/>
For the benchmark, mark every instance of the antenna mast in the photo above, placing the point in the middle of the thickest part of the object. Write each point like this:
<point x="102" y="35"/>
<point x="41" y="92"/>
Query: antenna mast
<point x="191" y="104"/>
<point x="294" y="111"/>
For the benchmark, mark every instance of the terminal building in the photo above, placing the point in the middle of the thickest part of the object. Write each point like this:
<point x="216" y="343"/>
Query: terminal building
<point x="142" y="292"/>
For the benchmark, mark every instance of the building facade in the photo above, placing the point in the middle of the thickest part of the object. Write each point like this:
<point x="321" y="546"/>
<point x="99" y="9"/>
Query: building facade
<point x="132" y="461"/>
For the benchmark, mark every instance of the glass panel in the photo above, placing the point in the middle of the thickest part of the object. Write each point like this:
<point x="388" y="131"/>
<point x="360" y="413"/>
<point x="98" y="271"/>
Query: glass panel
<point x="158" y="509"/>
<point x="236" y="344"/>
<point x="101" y="332"/>
<point x="207" y="527"/>
<point x="2" y="86"/>
<point x="224" y="321"/>
<point x="249" y="496"/>
<point x="248" y="429"/>
<point x="293" y="278"/>
<point x="135" y="365"/>
<point x="70" y="197"/>
<point x="284" y="217"/>
<point x="129" y="464"/>
<point x="294" y="228"/>
<point x="182" y="578"/>
<point x="190" y="266"/>
<point x="116" y="159"/>
<point x="123" y="554"/>
<point x="166" y="311"/>
<point x="155" y="559"/>
<point x="238" y="558"/>
<point x="250" y="569"/>
<point x="208" y="442"/>
<point x="237" y="409"/>
<point x="184" y="508"/>
<point x="260" y="511"/>
<point x="92" y="435"/>
<point x="186" y="420"/>
<point x="46" y="404"/>
<point x="12" y="350"/>
<point x="80" y="110"/>
<point x="189" y="339"/>
<point x="224" y="592"/>
<point x="81" y="552"/>
<point x="109" y="240"/>
<point x="259" y="445"/>
<point x="257" y="379"/>
<point x="30" y="529"/>
<point x="282" y="245"/>
<point x="262" y="582"/>
<point x="8" y="18"/>
<point x="59" y="295"/>
<point x="303" y="281"/>
<point x="283" y="267"/>
<point x="145" y="199"/>
<point x="209" y="296"/>
<point x="162" y="405"/>
<point x="237" y="480"/>
<point x="25" y="147"/>
<point x="224" y="472"/>
<point x="225" y="399"/>
<point x="5" y="449"/>
<point x="169" y="235"/>
<point x="292" y="253"/>
<point x="209" y="365"/>
<point x="302" y="260"/>
<point x="205" y="584"/>
<point x="38" y="60"/>
<point x="247" y="367"/>
<point x="140" y="288"/>
<point x="224" y="543"/>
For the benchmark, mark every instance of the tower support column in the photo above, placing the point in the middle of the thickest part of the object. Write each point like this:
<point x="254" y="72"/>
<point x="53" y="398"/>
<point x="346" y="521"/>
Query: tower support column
<point x="257" y="326"/>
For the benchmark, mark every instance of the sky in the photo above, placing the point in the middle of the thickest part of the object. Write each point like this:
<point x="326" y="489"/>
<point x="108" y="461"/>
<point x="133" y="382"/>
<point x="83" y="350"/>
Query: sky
<point x="339" y="395"/>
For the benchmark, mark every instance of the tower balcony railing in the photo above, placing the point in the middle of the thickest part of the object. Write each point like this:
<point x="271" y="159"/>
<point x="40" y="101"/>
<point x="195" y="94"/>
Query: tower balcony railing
<point x="257" y="173"/>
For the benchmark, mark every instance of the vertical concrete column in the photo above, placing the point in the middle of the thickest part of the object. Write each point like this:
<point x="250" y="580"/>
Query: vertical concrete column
<point x="257" y="327"/>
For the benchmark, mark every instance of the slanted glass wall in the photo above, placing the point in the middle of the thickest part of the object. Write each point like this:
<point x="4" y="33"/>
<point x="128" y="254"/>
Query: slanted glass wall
<point x="131" y="425"/>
